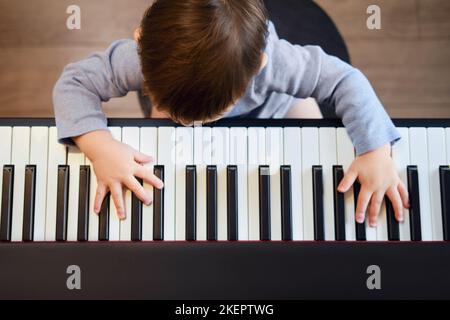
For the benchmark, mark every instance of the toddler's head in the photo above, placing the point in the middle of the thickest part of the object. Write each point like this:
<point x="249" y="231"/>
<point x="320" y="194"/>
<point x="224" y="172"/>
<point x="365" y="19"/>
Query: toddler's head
<point x="199" y="56"/>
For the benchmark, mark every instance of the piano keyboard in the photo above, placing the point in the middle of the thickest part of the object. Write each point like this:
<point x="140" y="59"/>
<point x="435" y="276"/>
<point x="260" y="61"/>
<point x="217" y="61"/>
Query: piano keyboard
<point x="232" y="192"/>
<point x="274" y="181"/>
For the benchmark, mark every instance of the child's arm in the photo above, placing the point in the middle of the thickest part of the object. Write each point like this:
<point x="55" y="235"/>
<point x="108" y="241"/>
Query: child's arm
<point x="78" y="96"/>
<point x="84" y="85"/>
<point x="309" y="72"/>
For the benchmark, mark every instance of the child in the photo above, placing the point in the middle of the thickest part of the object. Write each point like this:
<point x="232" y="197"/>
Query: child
<point x="200" y="60"/>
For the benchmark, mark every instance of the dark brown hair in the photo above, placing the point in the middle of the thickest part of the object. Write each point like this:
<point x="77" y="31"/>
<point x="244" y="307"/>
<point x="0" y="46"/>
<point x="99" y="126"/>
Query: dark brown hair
<point x="199" y="56"/>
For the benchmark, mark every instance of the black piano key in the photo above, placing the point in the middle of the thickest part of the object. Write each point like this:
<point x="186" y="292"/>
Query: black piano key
<point x="103" y="219"/>
<point x="264" y="203"/>
<point x="339" y="204"/>
<point x="319" y="227"/>
<point x="191" y="203"/>
<point x="29" y="203"/>
<point x="360" y="227"/>
<point x="136" y="217"/>
<point x="232" y="202"/>
<point x="414" y="210"/>
<point x="286" y="203"/>
<point x="445" y="200"/>
<point x="392" y="223"/>
<point x="62" y="202"/>
<point x="211" y="203"/>
<point x="158" y="207"/>
<point x="7" y="203"/>
<point x="83" y="203"/>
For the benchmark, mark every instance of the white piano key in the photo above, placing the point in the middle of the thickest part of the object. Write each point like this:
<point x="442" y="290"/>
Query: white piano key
<point x="256" y="157"/>
<point x="400" y="154"/>
<point x="57" y="154"/>
<point x="310" y="157"/>
<point x="93" y="226"/>
<point x="5" y="155"/>
<point x="436" y="157"/>
<point x="371" y="233"/>
<point x="382" y="231"/>
<point x="293" y="158"/>
<point x="328" y="158"/>
<point x="447" y="134"/>
<point x="220" y="152"/>
<point x="114" y="221"/>
<point x="5" y="145"/>
<point x="166" y="157"/>
<point x="75" y="159"/>
<point x="239" y="157"/>
<point x="345" y="157"/>
<point x="184" y="156"/>
<point x="202" y="158"/>
<point x="131" y="137"/>
<point x="419" y="157"/>
<point x="39" y="157"/>
<point x="20" y="156"/>
<point x="382" y="224"/>
<point x="149" y="146"/>
<point x="275" y="158"/>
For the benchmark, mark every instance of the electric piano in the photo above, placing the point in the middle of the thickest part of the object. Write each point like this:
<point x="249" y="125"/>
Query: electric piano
<point x="249" y="211"/>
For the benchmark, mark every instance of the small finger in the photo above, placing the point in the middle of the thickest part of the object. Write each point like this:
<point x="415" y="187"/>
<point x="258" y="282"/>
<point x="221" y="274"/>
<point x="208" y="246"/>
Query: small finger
<point x="142" y="158"/>
<point x="147" y="175"/>
<point x="119" y="203"/>
<point x="394" y="195"/>
<point x="363" y="202"/>
<point x="348" y="180"/>
<point x="138" y="190"/>
<point x="100" y="195"/>
<point x="404" y="194"/>
<point x="375" y="206"/>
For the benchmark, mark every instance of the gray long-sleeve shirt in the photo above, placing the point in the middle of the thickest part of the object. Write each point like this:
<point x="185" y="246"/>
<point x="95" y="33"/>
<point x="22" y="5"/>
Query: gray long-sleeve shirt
<point x="292" y="72"/>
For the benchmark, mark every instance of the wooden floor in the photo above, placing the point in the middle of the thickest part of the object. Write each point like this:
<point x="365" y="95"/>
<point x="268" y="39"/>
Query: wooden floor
<point x="407" y="61"/>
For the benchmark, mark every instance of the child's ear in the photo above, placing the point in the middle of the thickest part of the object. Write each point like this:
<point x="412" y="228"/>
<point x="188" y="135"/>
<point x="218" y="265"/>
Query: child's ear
<point x="137" y="34"/>
<point x="264" y="60"/>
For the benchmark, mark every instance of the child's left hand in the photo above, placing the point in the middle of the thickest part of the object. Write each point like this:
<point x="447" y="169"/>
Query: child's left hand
<point x="377" y="174"/>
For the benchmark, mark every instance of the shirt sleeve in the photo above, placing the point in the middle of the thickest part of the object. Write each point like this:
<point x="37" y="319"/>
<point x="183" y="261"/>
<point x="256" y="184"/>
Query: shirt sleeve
<point x="307" y="71"/>
<point x="84" y="85"/>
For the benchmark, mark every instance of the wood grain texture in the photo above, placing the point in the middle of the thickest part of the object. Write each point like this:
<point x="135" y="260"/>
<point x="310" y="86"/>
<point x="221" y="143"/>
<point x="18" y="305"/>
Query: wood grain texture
<point x="399" y="18"/>
<point x="28" y="75"/>
<point x="407" y="61"/>
<point x="43" y="22"/>
<point x="434" y="17"/>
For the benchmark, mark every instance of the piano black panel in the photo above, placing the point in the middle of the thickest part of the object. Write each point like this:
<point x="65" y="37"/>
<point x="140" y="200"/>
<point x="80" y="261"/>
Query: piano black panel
<point x="117" y="122"/>
<point x="226" y="270"/>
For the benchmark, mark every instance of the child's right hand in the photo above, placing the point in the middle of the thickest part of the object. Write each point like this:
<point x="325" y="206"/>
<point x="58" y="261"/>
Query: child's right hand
<point x="117" y="166"/>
